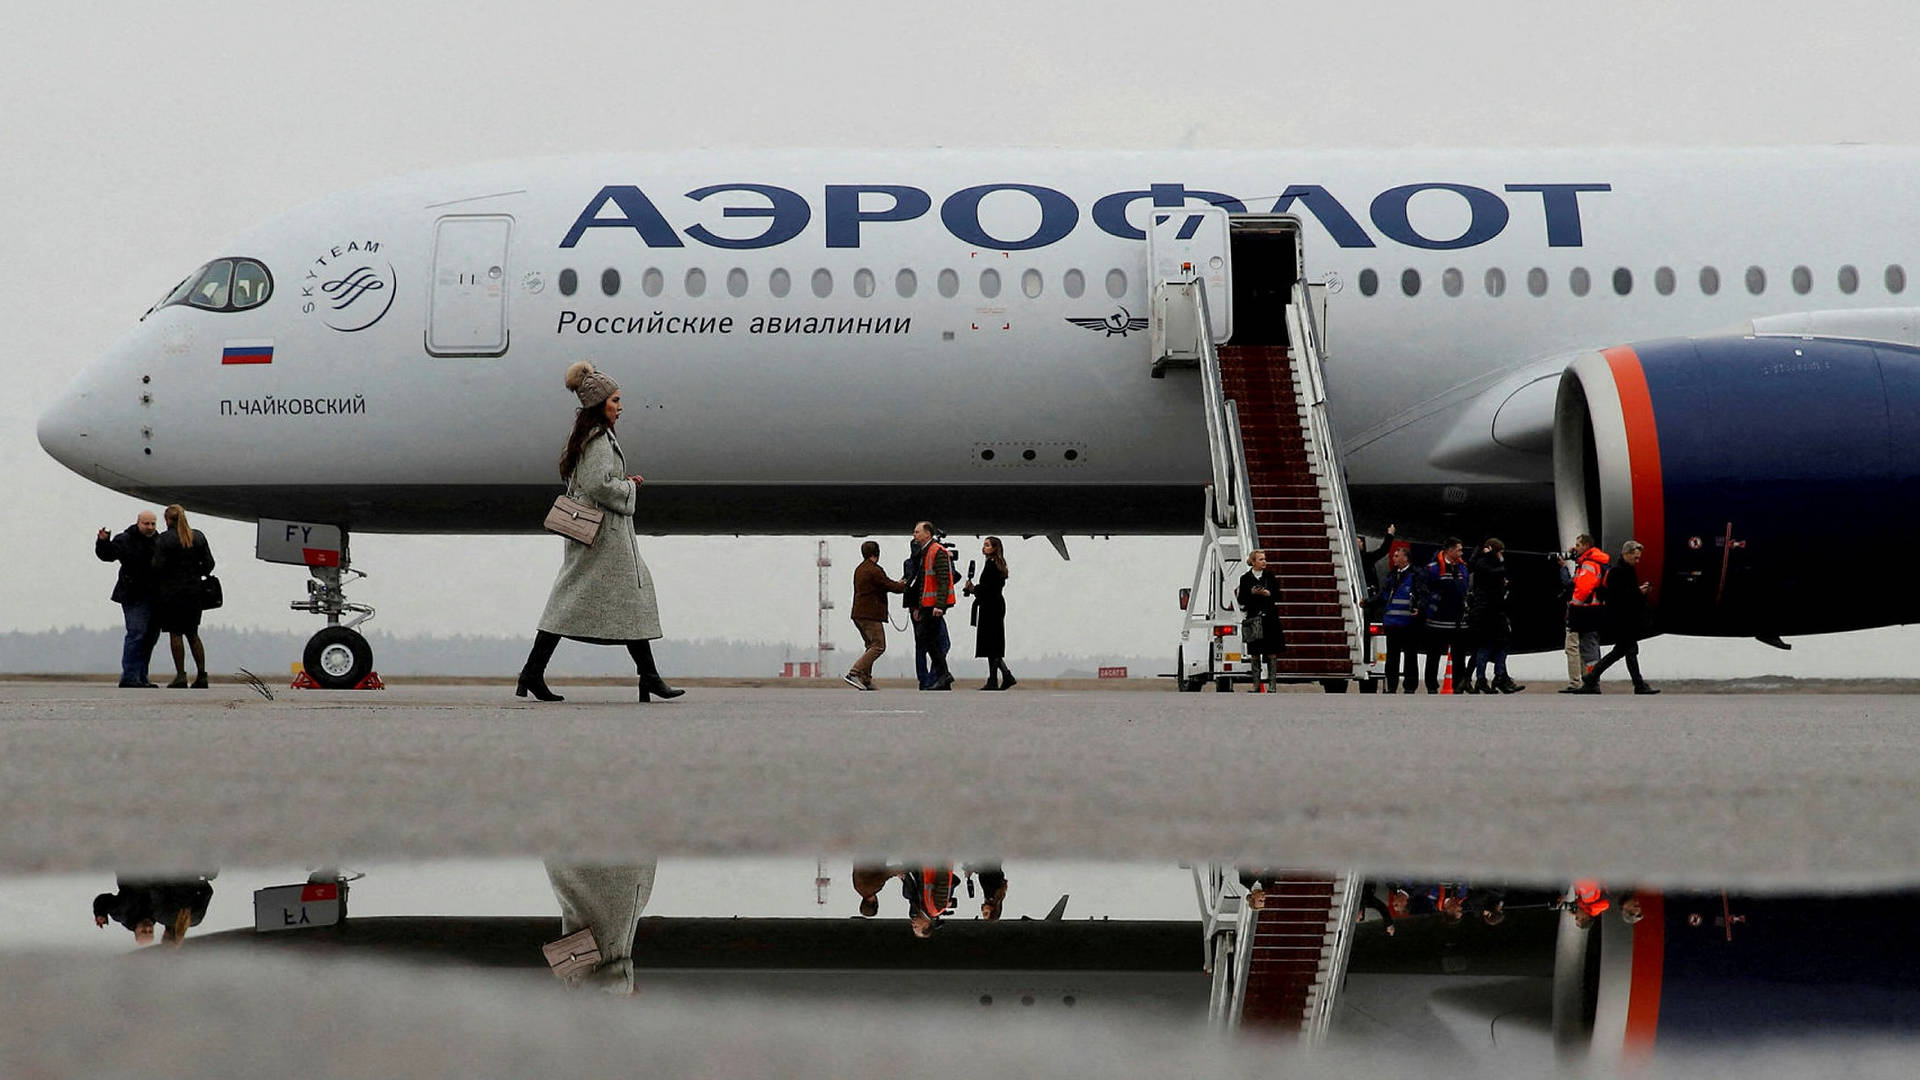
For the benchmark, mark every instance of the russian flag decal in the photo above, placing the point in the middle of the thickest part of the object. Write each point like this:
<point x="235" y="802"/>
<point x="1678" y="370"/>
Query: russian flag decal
<point x="258" y="351"/>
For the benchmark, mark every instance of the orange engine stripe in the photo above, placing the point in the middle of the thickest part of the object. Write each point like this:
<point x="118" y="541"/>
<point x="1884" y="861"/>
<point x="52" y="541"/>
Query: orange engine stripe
<point x="1643" y="459"/>
<point x="1649" y="959"/>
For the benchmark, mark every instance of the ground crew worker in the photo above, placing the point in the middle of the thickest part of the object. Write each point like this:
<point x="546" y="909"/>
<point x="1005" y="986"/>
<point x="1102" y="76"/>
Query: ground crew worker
<point x="937" y="596"/>
<point x="1404" y="593"/>
<point x="1587" y="610"/>
<point x="1446" y="613"/>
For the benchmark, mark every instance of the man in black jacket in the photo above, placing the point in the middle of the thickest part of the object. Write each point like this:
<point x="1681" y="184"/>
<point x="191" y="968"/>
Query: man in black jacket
<point x="1627" y="609"/>
<point x="133" y="591"/>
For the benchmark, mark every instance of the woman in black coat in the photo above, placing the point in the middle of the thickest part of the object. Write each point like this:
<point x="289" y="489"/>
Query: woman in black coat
<point x="1259" y="597"/>
<point x="990" y="615"/>
<point x="1489" y="623"/>
<point x="181" y="561"/>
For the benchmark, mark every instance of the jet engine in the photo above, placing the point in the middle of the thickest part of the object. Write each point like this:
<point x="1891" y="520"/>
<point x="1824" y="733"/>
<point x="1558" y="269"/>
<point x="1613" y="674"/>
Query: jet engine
<point x="1773" y="474"/>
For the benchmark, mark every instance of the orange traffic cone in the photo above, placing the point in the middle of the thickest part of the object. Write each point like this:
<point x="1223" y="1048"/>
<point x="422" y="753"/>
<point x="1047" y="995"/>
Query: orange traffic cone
<point x="1446" y="682"/>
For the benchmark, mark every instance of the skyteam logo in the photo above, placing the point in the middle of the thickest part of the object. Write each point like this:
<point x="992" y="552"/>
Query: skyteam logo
<point x="349" y="287"/>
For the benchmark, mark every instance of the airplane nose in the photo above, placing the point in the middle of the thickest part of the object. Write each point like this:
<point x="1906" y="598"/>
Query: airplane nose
<point x="63" y="430"/>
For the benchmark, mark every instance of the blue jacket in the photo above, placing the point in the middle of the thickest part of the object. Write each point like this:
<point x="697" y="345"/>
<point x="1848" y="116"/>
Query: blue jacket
<point x="1405" y="593"/>
<point x="1446" y="596"/>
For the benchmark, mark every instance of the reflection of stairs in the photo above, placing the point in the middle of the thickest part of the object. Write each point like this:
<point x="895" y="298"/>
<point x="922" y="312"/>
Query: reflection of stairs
<point x="1292" y="963"/>
<point x="1290" y="496"/>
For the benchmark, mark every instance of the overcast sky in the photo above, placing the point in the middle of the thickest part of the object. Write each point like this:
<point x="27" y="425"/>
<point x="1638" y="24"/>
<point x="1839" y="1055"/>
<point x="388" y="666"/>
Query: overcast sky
<point x="135" y="138"/>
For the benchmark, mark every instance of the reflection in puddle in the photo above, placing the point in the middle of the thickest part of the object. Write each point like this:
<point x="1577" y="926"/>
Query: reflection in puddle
<point x="1511" y="971"/>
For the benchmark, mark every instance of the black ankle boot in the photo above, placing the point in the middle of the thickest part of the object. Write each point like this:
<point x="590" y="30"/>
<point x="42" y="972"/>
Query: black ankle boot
<point x="535" y="684"/>
<point x="654" y="685"/>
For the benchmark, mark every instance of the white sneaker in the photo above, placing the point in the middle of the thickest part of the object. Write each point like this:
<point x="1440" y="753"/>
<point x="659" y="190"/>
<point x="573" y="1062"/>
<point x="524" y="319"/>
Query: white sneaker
<point x="853" y="682"/>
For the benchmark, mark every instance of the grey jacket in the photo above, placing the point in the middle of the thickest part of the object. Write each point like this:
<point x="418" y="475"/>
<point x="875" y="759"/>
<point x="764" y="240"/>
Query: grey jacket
<point x="604" y="592"/>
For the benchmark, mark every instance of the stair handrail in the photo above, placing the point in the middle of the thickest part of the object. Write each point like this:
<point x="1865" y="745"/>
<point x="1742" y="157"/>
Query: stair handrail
<point x="1320" y="424"/>
<point x="1344" y="915"/>
<point x="1242" y="516"/>
<point x="1212" y="387"/>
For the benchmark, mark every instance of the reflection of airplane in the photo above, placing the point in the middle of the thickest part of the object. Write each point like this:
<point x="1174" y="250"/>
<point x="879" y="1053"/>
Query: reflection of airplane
<point x="1701" y="968"/>
<point x="389" y="359"/>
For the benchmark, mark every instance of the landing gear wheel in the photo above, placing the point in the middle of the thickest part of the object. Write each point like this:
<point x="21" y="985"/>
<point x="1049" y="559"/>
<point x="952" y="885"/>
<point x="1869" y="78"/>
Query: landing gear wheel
<point x="337" y="658"/>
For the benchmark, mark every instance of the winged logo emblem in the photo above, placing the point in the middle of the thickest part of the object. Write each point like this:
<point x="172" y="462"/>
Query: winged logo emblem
<point x="1121" y="322"/>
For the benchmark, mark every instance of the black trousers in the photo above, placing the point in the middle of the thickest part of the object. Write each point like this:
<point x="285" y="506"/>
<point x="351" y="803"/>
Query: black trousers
<point x="544" y="643"/>
<point x="1628" y="650"/>
<point x="1444" y="643"/>
<point x="1403" y="658"/>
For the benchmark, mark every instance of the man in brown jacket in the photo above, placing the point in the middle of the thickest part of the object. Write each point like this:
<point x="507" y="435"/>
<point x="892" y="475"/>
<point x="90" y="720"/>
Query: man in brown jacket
<point x="870" y="588"/>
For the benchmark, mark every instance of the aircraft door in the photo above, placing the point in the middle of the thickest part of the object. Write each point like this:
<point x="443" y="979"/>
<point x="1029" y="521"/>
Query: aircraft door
<point x="1188" y="244"/>
<point x="467" y="311"/>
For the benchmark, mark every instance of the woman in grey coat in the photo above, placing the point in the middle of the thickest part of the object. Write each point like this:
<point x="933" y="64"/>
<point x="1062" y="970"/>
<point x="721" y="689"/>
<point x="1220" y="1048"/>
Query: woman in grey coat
<point x="604" y="594"/>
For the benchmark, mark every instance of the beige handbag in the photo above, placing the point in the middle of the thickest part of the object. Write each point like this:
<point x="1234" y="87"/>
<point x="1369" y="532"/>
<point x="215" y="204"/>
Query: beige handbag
<point x="574" y="518"/>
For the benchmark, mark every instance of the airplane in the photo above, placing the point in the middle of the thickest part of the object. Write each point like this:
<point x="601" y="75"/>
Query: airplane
<point x="1710" y="350"/>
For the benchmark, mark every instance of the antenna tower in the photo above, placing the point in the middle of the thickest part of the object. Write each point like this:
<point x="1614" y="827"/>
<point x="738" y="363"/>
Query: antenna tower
<point x="823" y="645"/>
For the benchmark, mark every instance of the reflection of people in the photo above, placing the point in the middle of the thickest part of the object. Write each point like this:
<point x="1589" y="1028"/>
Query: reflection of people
<point x="990" y="611"/>
<point x="181" y="561"/>
<point x="868" y="881"/>
<point x="929" y="892"/>
<point x="993" y="890"/>
<point x="870" y="588"/>
<point x="133" y="591"/>
<point x="603" y="594"/>
<point x="1259" y="596"/>
<point x="608" y="900"/>
<point x="170" y="904"/>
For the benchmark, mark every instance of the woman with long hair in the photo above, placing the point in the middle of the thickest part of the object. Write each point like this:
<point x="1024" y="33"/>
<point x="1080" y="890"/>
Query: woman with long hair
<point x="990" y="615"/>
<point x="181" y="561"/>
<point x="604" y="593"/>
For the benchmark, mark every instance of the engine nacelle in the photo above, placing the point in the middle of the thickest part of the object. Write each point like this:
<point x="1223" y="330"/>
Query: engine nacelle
<point x="1754" y="468"/>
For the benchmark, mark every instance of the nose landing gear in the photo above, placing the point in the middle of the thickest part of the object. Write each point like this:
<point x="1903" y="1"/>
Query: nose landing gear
<point x="336" y="658"/>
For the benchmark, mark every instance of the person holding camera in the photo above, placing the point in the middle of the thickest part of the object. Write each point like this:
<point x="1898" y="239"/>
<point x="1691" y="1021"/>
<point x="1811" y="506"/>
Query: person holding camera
<point x="1586" y="610"/>
<point x="936" y="596"/>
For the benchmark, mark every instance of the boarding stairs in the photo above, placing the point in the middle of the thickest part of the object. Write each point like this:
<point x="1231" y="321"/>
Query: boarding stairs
<point x="1277" y="969"/>
<point x="1278" y="485"/>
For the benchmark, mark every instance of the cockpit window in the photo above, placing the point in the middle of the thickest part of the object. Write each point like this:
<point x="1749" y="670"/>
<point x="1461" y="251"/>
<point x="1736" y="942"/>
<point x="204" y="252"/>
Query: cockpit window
<point x="225" y="285"/>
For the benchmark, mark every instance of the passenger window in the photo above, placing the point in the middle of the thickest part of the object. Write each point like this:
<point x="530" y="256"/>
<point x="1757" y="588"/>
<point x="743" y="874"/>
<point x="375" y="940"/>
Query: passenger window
<point x="1116" y="283"/>
<point x="1496" y="282"/>
<point x="989" y="283"/>
<point x="1802" y="280"/>
<point x="1622" y="280"/>
<point x="251" y="285"/>
<point x="1074" y="284"/>
<point x="780" y="283"/>
<point x="736" y="282"/>
<point x="949" y="284"/>
<point x="213" y="285"/>
<point x="696" y="282"/>
<point x="1896" y="279"/>
<point x="1410" y="281"/>
<point x="823" y="283"/>
<point x="570" y="281"/>
<point x="1452" y="282"/>
<point x="1756" y="280"/>
<point x="1663" y="281"/>
<point x="1849" y="280"/>
<point x="653" y="282"/>
<point x="863" y="282"/>
<point x="905" y="283"/>
<point x="610" y="281"/>
<point x="1369" y="282"/>
<point x="1031" y="284"/>
<point x="1709" y="280"/>
<point x="1579" y="281"/>
<point x="1537" y="281"/>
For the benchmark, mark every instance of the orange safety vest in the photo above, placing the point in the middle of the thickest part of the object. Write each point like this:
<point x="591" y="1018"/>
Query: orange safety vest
<point x="1590" y="898"/>
<point x="1587" y="576"/>
<point x="930" y="584"/>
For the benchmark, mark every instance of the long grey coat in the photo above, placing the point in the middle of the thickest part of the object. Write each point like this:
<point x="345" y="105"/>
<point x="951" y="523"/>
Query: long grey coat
<point x="604" y="592"/>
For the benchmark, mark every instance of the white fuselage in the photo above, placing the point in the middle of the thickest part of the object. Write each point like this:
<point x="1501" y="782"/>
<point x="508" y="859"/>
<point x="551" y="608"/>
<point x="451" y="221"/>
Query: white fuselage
<point x="865" y="386"/>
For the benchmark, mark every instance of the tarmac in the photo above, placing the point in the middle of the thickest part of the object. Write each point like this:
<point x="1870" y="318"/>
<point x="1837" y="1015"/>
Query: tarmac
<point x="1767" y="791"/>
